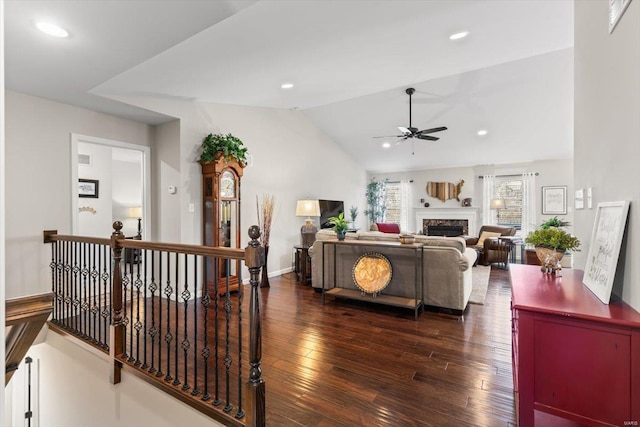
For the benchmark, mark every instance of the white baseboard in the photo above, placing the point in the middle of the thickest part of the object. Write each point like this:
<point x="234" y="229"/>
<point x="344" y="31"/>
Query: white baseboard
<point x="272" y="274"/>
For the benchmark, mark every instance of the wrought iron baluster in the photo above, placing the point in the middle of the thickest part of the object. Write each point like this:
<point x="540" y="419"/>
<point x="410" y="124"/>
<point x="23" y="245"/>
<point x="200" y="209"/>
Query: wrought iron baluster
<point x="94" y="305"/>
<point x="186" y="294"/>
<point x="168" y="337"/>
<point x="75" y="302"/>
<point x="206" y="351"/>
<point x="159" y="373"/>
<point x="67" y="280"/>
<point x="153" y="287"/>
<point x="196" y="390"/>
<point x="216" y="336"/>
<point x="176" y="381"/>
<point x="144" y="340"/>
<point x="138" y="325"/>
<point x="227" y="350"/>
<point x="240" y="412"/>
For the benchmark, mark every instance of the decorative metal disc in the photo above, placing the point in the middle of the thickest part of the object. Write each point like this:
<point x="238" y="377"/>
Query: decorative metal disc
<point x="372" y="272"/>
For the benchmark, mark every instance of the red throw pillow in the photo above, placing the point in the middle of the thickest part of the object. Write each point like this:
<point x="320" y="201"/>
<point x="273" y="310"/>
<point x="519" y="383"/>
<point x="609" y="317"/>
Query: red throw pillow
<point x="388" y="227"/>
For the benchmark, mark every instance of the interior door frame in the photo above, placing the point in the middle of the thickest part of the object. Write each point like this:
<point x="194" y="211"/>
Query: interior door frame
<point x="146" y="177"/>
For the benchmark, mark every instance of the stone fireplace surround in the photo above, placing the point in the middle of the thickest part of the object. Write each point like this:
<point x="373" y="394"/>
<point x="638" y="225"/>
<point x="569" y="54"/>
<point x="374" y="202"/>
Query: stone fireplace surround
<point x="447" y="215"/>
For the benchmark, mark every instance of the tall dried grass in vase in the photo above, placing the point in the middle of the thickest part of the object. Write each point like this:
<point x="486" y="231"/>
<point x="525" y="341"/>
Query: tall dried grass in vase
<point x="265" y="217"/>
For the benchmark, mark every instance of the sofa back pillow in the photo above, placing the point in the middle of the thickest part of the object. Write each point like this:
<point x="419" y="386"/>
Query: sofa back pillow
<point x="387" y="227"/>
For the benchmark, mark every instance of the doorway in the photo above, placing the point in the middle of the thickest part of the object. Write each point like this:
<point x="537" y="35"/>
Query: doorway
<point x="110" y="182"/>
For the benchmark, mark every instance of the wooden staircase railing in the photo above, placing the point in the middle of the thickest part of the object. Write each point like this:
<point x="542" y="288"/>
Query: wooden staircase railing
<point x="24" y="319"/>
<point x="148" y="307"/>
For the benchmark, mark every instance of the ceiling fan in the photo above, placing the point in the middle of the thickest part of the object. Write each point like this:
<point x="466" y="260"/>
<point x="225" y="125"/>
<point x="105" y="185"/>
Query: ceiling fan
<point x="412" y="132"/>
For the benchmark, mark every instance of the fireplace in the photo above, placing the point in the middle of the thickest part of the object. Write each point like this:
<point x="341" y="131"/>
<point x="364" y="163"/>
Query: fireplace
<point x="445" y="227"/>
<point x="445" y="230"/>
<point x="464" y="216"/>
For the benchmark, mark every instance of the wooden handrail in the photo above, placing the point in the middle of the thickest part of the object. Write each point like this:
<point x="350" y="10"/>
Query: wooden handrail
<point x="24" y="318"/>
<point x="218" y="252"/>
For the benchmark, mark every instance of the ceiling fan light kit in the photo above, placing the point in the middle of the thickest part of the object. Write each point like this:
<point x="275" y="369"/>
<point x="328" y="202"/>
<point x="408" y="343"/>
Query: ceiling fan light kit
<point x="413" y="132"/>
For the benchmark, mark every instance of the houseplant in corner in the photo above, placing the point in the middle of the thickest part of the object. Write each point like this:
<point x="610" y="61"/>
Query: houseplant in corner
<point x="340" y="225"/>
<point x="551" y="243"/>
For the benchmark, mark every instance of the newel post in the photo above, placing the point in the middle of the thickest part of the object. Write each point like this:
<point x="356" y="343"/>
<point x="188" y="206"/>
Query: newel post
<point x="254" y="258"/>
<point x="116" y="336"/>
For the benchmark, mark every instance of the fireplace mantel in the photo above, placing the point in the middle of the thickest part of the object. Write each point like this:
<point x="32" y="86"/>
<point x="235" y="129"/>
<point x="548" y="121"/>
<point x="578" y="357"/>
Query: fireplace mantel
<point x="470" y="214"/>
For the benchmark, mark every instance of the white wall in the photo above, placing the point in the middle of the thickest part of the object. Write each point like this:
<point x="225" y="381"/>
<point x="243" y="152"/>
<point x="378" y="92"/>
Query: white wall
<point x="165" y="158"/>
<point x="90" y="399"/>
<point x="551" y="172"/>
<point x="98" y="224"/>
<point x="292" y="159"/>
<point x="607" y="127"/>
<point x="38" y="165"/>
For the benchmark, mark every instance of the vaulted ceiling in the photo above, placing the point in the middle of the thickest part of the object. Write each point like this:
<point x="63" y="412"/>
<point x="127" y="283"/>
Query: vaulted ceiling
<point x="349" y="61"/>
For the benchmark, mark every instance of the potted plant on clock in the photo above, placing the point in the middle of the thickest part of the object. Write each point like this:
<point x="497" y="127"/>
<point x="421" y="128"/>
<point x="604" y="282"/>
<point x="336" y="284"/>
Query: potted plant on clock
<point x="340" y="225"/>
<point x="218" y="145"/>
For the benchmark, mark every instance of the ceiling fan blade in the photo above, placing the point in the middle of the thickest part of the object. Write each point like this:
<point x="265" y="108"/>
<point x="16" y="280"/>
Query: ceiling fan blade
<point x="390" y="136"/>
<point x="432" y="130"/>
<point x="427" y="137"/>
<point x="404" y="130"/>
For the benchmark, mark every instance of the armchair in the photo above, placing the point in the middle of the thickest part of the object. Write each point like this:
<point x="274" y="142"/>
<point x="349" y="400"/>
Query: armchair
<point x="488" y="248"/>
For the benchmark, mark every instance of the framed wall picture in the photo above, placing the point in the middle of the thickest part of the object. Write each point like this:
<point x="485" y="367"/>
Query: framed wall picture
<point x="554" y="200"/>
<point x="604" y="248"/>
<point x="88" y="188"/>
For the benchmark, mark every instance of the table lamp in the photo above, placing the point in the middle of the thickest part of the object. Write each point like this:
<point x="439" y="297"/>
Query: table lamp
<point x="497" y="204"/>
<point x="136" y="212"/>
<point x="308" y="231"/>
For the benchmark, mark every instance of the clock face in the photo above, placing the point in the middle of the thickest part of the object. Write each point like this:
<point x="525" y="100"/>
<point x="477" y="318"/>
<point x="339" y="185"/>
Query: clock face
<point x="227" y="185"/>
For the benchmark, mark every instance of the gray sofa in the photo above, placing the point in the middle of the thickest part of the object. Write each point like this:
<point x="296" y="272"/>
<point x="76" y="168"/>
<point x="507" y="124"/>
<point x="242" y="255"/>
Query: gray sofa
<point x="446" y="267"/>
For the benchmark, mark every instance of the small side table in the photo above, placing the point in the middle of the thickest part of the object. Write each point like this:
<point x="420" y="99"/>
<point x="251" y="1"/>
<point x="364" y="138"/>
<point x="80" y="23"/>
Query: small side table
<point x="508" y="245"/>
<point x="302" y="264"/>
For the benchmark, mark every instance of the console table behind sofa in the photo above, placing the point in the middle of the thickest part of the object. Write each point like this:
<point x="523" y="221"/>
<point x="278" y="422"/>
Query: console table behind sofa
<point x="446" y="266"/>
<point x="405" y="288"/>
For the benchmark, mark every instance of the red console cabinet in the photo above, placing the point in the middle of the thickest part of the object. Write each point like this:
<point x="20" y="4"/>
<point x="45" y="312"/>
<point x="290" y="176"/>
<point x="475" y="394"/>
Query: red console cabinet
<point x="573" y="356"/>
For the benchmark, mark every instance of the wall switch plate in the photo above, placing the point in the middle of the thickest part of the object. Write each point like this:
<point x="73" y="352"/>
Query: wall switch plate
<point x="192" y="207"/>
<point x="589" y="198"/>
<point x="172" y="189"/>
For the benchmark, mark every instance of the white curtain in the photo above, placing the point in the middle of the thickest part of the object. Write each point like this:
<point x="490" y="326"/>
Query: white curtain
<point x="405" y="197"/>
<point x="529" y="220"/>
<point x="488" y="193"/>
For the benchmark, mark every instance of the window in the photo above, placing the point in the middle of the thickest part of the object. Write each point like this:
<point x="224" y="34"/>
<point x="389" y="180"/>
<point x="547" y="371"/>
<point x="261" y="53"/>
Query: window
<point x="393" y="202"/>
<point x="510" y="190"/>
<point x="397" y="203"/>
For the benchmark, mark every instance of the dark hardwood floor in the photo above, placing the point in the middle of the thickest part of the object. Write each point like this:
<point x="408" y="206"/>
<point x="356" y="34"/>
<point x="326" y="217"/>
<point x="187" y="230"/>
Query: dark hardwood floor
<point x="348" y="363"/>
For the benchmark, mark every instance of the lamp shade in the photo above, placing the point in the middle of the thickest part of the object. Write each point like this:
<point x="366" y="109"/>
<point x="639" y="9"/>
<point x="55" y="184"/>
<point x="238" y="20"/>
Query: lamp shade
<point x="135" y="212"/>
<point x="497" y="204"/>
<point x="308" y="208"/>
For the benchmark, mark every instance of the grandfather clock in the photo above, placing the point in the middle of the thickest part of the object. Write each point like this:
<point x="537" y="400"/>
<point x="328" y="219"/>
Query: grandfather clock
<point x="221" y="220"/>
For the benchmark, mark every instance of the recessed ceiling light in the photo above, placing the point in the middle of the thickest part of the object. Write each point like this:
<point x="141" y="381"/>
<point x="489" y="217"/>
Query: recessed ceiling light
<point x="482" y="132"/>
<point x="52" y="29"/>
<point x="386" y="145"/>
<point x="458" y="36"/>
<point x="286" y="85"/>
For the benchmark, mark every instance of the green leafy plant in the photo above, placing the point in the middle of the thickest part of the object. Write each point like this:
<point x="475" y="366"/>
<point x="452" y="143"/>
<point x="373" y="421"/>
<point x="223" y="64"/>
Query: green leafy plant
<point x="554" y="222"/>
<point x="553" y="238"/>
<point x="376" y="200"/>
<point x="353" y="211"/>
<point x="229" y="146"/>
<point x="340" y="225"/>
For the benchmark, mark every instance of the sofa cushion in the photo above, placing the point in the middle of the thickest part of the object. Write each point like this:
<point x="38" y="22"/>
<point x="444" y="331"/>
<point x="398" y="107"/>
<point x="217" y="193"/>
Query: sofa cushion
<point x="487" y="235"/>
<point x="378" y="236"/>
<point x="387" y="227"/>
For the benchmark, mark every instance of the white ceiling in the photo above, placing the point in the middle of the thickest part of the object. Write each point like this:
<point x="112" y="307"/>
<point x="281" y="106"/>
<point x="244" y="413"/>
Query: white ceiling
<point x="350" y="62"/>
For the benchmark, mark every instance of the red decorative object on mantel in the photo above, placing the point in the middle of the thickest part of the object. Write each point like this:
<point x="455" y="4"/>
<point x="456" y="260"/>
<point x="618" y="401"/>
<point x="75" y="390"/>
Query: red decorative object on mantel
<point x="573" y="356"/>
